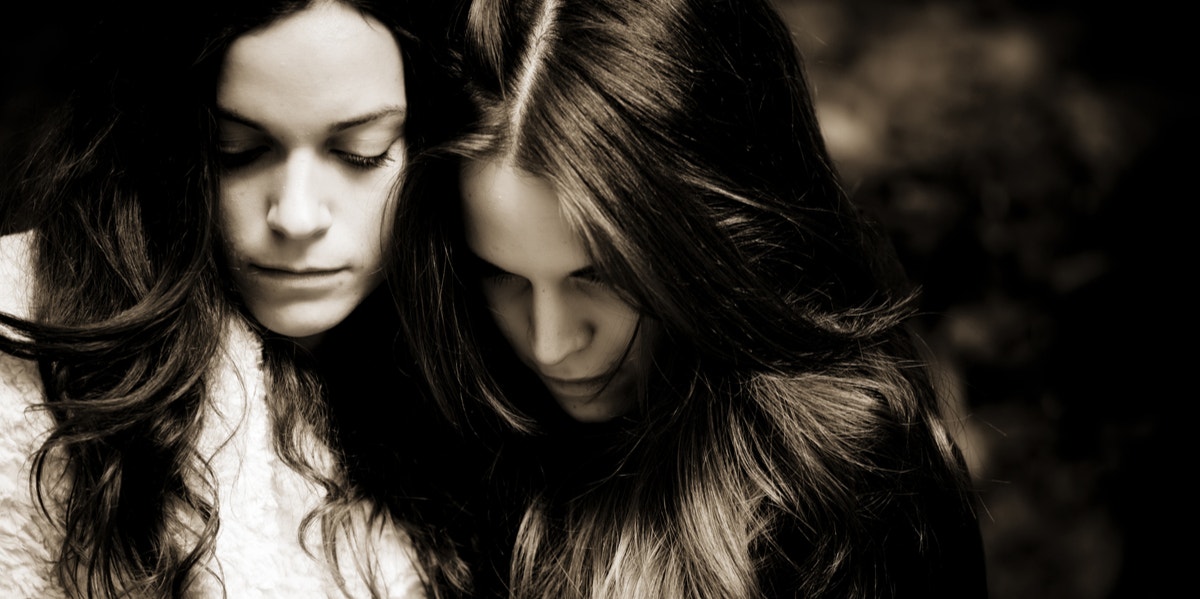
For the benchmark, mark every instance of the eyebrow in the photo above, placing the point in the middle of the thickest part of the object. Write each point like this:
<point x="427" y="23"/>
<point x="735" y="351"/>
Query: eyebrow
<point x="485" y="264"/>
<point x="388" y="111"/>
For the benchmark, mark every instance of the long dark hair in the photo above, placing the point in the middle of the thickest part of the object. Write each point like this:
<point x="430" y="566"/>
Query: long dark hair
<point x="788" y="440"/>
<point x="130" y="300"/>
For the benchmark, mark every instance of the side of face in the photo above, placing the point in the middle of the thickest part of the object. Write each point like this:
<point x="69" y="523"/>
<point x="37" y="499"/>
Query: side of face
<point x="311" y="114"/>
<point x="567" y="325"/>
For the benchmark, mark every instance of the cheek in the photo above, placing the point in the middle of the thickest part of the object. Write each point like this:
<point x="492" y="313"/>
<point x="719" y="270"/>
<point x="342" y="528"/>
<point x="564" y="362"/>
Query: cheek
<point x="235" y="212"/>
<point x="621" y="333"/>
<point x="374" y="193"/>
<point x="619" y="322"/>
<point x="372" y="202"/>
<point x="509" y="316"/>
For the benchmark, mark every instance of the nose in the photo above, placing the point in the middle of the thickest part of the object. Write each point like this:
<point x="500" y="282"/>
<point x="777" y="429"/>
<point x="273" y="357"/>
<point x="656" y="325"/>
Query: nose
<point x="297" y="210"/>
<point x="556" y="328"/>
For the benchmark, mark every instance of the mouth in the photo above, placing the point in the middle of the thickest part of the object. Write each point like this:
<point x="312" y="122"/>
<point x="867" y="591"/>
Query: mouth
<point x="585" y="381"/>
<point x="296" y="277"/>
<point x="283" y="271"/>
<point x="581" y="387"/>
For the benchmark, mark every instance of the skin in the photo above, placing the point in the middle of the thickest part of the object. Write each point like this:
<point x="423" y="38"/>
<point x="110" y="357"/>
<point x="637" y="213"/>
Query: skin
<point x="567" y="325"/>
<point x="311" y="115"/>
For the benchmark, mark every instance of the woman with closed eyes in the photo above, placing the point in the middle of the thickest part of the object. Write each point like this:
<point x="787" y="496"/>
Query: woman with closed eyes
<point x="201" y="393"/>
<point x="636" y="267"/>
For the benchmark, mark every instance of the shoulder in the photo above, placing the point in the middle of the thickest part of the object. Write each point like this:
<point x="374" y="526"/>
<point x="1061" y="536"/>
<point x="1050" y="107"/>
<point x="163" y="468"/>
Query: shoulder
<point x="21" y="425"/>
<point x="16" y="273"/>
<point x="27" y="538"/>
<point x="20" y="383"/>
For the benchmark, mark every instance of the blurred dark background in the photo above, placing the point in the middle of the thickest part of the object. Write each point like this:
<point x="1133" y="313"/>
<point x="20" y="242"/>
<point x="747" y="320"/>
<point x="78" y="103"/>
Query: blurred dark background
<point x="1027" y="158"/>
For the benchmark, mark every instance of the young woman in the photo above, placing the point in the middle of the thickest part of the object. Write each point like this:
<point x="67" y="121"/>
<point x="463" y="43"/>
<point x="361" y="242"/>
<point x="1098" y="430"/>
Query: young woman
<point x="197" y="354"/>
<point x="637" y="265"/>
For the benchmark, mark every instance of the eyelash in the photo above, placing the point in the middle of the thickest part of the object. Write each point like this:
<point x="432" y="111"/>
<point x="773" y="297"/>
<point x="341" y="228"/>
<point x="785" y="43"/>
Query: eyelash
<point x="498" y="277"/>
<point x="365" y="162"/>
<point x="594" y="278"/>
<point x="236" y="160"/>
<point x="489" y="274"/>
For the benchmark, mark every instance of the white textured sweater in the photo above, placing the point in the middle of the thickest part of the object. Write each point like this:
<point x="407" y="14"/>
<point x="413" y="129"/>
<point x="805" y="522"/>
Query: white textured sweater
<point x="261" y="499"/>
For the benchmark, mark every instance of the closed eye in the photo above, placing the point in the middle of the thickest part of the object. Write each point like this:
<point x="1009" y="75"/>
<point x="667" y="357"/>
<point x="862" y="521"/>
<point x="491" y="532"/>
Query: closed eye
<point x="488" y="272"/>
<point x="233" y="159"/>
<point x="591" y="276"/>
<point x="364" y="162"/>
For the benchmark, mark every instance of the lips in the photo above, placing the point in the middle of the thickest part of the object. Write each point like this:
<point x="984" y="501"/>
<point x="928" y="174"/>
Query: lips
<point x="298" y="275"/>
<point x="295" y="271"/>
<point x="297" y="279"/>
<point x="578" y="388"/>
<point x="584" y="381"/>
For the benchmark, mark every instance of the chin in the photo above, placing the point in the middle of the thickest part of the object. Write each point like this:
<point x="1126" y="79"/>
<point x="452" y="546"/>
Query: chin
<point x="593" y="411"/>
<point x="300" y="324"/>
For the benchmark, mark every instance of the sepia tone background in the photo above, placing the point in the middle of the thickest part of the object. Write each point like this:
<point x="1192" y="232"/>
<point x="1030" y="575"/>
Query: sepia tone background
<point x="1026" y="158"/>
